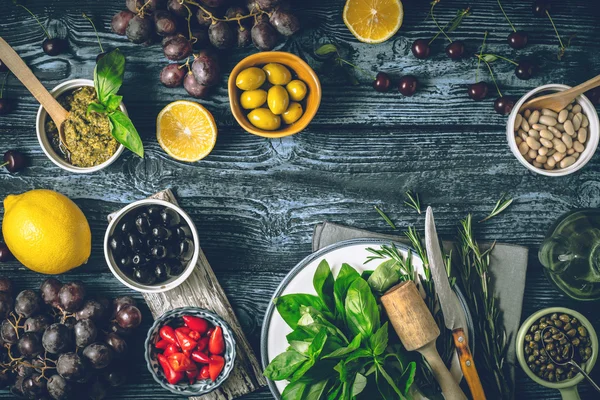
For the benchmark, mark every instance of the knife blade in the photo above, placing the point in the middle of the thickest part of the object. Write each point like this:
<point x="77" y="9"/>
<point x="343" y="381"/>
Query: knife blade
<point x="454" y="317"/>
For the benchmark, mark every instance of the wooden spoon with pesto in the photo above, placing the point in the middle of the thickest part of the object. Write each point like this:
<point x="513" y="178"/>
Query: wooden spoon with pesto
<point x="19" y="69"/>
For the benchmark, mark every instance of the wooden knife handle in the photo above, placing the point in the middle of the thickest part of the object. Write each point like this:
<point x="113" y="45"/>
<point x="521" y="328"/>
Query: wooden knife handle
<point x="467" y="364"/>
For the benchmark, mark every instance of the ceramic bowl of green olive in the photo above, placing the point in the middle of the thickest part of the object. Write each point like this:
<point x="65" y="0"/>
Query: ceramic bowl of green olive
<point x="551" y="337"/>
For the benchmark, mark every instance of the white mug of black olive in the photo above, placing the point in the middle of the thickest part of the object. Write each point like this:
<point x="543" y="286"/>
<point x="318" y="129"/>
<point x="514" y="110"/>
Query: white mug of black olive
<point x="530" y="348"/>
<point x="45" y="142"/>
<point x="520" y="140"/>
<point x="149" y="224"/>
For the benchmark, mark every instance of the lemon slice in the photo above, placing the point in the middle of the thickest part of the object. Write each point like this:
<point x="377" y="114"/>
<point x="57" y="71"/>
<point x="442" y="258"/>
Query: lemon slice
<point x="373" y="21"/>
<point x="186" y="131"/>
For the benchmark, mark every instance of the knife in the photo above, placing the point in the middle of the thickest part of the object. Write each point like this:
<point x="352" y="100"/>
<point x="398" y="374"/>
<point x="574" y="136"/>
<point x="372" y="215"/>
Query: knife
<point x="454" y="317"/>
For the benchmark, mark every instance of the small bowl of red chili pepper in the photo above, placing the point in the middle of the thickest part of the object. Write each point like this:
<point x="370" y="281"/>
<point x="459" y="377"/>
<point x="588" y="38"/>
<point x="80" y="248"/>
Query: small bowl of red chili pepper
<point x="190" y="351"/>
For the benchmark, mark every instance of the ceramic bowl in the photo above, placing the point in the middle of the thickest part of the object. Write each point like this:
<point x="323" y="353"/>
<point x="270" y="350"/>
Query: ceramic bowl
<point x="593" y="131"/>
<point x="568" y="388"/>
<point x="40" y="127"/>
<point x="173" y="318"/>
<point x="169" y="284"/>
<point x="300" y="69"/>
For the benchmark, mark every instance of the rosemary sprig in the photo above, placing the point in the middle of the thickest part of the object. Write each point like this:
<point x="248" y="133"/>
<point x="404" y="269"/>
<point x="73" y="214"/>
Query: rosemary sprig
<point x="500" y="206"/>
<point x="413" y="201"/>
<point x="473" y="270"/>
<point x="392" y="253"/>
<point x="385" y="217"/>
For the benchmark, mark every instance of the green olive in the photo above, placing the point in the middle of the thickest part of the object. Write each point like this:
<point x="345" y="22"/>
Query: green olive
<point x="277" y="74"/>
<point x="252" y="99"/>
<point x="250" y="79"/>
<point x="293" y="113"/>
<point x="263" y="118"/>
<point x="278" y="99"/>
<point x="297" y="90"/>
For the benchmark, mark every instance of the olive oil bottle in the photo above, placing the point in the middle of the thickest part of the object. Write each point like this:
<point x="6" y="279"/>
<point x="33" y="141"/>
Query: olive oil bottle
<point x="570" y="254"/>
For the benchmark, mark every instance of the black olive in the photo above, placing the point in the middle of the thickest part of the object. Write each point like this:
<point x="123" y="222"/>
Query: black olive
<point x="142" y="223"/>
<point x="116" y="245"/>
<point x="140" y="261"/>
<point x="161" y="233"/>
<point x="154" y="214"/>
<point x="176" y="267"/>
<point x="186" y="250"/>
<point x="126" y="226"/>
<point x="183" y="232"/>
<point x="151" y="242"/>
<point x="170" y="218"/>
<point x="159" y="251"/>
<point x="162" y="270"/>
<point x="144" y="276"/>
<point x="135" y="242"/>
<point x="126" y="261"/>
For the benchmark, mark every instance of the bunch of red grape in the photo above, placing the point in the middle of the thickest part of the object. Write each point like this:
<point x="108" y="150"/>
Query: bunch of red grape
<point x="58" y="343"/>
<point x="206" y="26"/>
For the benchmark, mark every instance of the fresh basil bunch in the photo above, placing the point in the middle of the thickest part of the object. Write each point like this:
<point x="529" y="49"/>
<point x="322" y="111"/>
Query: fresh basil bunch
<point x="339" y="348"/>
<point x="108" y="78"/>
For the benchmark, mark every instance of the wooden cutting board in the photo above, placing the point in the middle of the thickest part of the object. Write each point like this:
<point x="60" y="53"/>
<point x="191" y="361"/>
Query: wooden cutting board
<point x="203" y="290"/>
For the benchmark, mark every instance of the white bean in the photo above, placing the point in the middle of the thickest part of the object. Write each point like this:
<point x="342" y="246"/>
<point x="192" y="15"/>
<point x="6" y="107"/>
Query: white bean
<point x="537" y="164"/>
<point x="551" y="162"/>
<point x="518" y="121"/>
<point x="545" y="134"/>
<point x="541" y="159"/>
<point x="567" y="162"/>
<point x="523" y="148"/>
<point x="577" y="121"/>
<point x="559" y="146"/>
<point x="549" y="113"/>
<point x="560" y="127"/>
<point x="533" y="143"/>
<point x="570" y="151"/>
<point x="558" y="156"/>
<point x="523" y="135"/>
<point x="543" y="151"/>
<point x="570" y="107"/>
<point x="569" y="128"/>
<point x="533" y="133"/>
<point x="585" y="121"/>
<point x="527" y="113"/>
<point x="525" y="125"/>
<point x="518" y="140"/>
<point x="578" y="146"/>
<point x="549" y="121"/>
<point x="562" y="115"/>
<point x="567" y="141"/>
<point x="576" y="109"/>
<point x="534" y="117"/>
<point x="582" y="135"/>
<point x="576" y="155"/>
<point x="554" y="131"/>
<point x="548" y="166"/>
<point x="539" y="127"/>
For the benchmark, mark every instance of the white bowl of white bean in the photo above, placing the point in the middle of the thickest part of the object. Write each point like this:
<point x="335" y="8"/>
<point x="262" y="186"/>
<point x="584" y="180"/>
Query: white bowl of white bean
<point x="550" y="143"/>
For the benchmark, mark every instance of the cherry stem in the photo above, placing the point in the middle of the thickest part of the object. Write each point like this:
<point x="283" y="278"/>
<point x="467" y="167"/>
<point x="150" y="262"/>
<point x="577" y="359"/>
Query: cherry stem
<point x="439" y="32"/>
<point x="436" y="23"/>
<point x="562" y="46"/>
<point x="215" y="19"/>
<point x="4" y="165"/>
<point x="506" y="16"/>
<point x="189" y="22"/>
<point x="340" y="59"/>
<point x="491" y="74"/>
<point x="36" y="18"/>
<point x="95" y="31"/>
<point x="141" y="10"/>
<point x="479" y="58"/>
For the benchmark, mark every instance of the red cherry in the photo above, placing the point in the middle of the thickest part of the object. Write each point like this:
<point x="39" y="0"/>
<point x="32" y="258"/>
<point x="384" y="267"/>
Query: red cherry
<point x="408" y="85"/>
<point x="518" y="40"/>
<point x="14" y="161"/>
<point x="54" y="46"/>
<point x="420" y="48"/>
<point x="525" y="69"/>
<point x="455" y="50"/>
<point x="504" y="104"/>
<point x="5" y="254"/>
<point x="5" y="106"/>
<point x="540" y="7"/>
<point x="382" y="82"/>
<point x="478" y="91"/>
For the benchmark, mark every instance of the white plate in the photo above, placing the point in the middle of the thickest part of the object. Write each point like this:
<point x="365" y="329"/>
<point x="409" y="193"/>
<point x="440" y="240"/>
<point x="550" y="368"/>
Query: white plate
<point x="300" y="280"/>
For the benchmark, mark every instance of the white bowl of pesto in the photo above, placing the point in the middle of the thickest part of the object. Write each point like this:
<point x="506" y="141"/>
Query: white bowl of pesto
<point x="46" y="144"/>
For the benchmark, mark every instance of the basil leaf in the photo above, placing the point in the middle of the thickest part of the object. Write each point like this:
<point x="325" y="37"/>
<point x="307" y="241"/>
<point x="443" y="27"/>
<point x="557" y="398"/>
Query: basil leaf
<point x="357" y="354"/>
<point x="386" y="275"/>
<point x="407" y="378"/>
<point x="379" y="340"/>
<point x="294" y="391"/>
<point x="289" y="305"/>
<point x="360" y="382"/>
<point x="326" y="49"/>
<point x="323" y="283"/>
<point x="299" y="346"/>
<point x="125" y="133"/>
<point x="315" y="348"/>
<point x="346" y="276"/>
<point x="362" y="312"/>
<point x="284" y="365"/>
<point x="386" y="385"/>
<point x="95" y="107"/>
<point x="316" y="390"/>
<point x="113" y="102"/>
<point x="342" y="351"/>
<point x="334" y="392"/>
<point x="108" y="74"/>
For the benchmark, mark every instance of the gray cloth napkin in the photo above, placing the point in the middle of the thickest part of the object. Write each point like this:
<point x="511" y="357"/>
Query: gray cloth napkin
<point x="508" y="268"/>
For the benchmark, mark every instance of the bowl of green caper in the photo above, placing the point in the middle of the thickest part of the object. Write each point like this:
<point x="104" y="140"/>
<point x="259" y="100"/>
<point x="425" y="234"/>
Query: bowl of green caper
<point x="558" y="334"/>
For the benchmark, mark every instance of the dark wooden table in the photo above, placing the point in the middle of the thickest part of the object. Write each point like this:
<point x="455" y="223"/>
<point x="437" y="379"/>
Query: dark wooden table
<point x="256" y="201"/>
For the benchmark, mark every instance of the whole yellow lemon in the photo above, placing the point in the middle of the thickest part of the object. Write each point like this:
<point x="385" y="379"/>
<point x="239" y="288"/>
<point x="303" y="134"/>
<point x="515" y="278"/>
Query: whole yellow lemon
<point x="46" y="231"/>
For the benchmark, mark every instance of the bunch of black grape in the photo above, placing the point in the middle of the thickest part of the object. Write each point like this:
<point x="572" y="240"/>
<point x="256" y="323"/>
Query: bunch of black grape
<point x="206" y="26"/>
<point x="56" y="343"/>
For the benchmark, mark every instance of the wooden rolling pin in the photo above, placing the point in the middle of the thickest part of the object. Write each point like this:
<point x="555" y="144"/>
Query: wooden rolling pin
<point x="418" y="331"/>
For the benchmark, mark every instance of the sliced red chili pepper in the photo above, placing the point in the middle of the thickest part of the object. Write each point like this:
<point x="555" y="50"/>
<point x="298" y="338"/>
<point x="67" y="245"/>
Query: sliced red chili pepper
<point x="215" y="367"/>
<point x="179" y="362"/>
<point x="171" y="349"/>
<point x="161" y="344"/>
<point x="197" y="324"/>
<point x="183" y="329"/>
<point x="209" y="332"/>
<point x="167" y="333"/>
<point x="216" y="345"/>
<point x="192" y="374"/>
<point x="204" y="373"/>
<point x="188" y="353"/>
<point x="185" y="341"/>
<point x="202" y="344"/>
<point x="200" y="357"/>
<point x="172" y="376"/>
<point x="194" y="335"/>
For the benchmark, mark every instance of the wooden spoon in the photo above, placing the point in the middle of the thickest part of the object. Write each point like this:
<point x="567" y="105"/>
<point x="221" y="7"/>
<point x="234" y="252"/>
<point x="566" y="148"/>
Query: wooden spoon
<point x="418" y="331"/>
<point x="559" y="100"/>
<point x="18" y="67"/>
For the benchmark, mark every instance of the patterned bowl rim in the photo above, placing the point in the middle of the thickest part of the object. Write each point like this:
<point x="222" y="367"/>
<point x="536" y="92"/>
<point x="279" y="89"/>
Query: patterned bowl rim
<point x="196" y="311"/>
